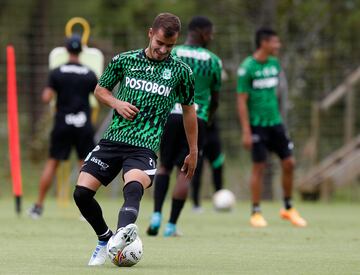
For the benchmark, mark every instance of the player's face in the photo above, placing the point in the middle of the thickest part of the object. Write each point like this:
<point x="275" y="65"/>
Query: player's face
<point x="159" y="45"/>
<point x="208" y="36"/>
<point x="272" y="45"/>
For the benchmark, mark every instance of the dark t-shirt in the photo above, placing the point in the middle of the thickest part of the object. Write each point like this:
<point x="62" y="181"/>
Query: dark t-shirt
<point x="72" y="83"/>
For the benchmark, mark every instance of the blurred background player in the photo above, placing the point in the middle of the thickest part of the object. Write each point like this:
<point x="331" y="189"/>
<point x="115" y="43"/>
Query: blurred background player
<point x="262" y="127"/>
<point x="151" y="81"/>
<point x="206" y="67"/>
<point x="72" y="84"/>
<point x="212" y="152"/>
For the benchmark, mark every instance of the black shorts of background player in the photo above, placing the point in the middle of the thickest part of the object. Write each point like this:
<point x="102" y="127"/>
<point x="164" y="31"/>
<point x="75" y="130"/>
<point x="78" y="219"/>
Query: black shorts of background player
<point x="150" y="81"/>
<point x="72" y="84"/>
<point x="213" y="154"/>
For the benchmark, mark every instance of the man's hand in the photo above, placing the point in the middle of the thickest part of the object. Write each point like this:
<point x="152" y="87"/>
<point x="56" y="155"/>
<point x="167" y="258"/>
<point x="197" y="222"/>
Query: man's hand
<point x="190" y="163"/>
<point x="247" y="140"/>
<point x="126" y="110"/>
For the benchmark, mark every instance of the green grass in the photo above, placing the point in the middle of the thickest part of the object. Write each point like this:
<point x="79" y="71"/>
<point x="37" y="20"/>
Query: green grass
<point x="213" y="243"/>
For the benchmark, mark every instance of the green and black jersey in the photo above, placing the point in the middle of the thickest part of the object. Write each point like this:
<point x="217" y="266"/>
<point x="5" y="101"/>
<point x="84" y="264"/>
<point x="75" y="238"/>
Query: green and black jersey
<point x="153" y="87"/>
<point x="207" y="68"/>
<point x="259" y="80"/>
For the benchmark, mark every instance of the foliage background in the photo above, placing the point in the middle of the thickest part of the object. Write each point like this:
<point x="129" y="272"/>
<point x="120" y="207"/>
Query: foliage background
<point x="320" y="48"/>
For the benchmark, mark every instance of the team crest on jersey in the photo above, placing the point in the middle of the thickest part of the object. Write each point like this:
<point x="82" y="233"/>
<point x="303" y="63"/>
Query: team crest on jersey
<point x="167" y="74"/>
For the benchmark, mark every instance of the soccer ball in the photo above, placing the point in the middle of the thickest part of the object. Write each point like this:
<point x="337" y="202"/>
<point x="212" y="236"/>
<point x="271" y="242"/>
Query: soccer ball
<point x="129" y="256"/>
<point x="224" y="200"/>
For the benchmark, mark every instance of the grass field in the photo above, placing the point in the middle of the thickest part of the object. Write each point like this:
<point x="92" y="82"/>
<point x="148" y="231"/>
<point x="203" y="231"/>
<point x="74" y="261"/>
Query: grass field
<point x="213" y="243"/>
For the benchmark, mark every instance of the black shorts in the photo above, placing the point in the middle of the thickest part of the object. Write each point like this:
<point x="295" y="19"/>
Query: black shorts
<point x="212" y="145"/>
<point x="64" y="137"/>
<point x="272" y="138"/>
<point x="107" y="159"/>
<point x="174" y="147"/>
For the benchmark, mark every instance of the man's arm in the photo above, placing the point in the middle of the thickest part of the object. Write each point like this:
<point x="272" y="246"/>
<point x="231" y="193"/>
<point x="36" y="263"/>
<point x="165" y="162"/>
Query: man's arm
<point x="125" y="109"/>
<point x="47" y="94"/>
<point x="243" y="113"/>
<point x="191" y="130"/>
<point x="214" y="103"/>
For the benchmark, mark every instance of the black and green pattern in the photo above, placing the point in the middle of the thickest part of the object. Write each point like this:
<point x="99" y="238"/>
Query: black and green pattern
<point x="260" y="80"/>
<point x="153" y="87"/>
<point x="207" y="68"/>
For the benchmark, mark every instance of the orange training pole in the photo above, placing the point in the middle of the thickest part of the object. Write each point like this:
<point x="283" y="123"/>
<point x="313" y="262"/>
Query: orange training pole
<point x="13" y="127"/>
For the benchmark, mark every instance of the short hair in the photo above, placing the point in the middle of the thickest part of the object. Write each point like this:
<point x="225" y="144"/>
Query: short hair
<point x="263" y="34"/>
<point x="168" y="22"/>
<point x="73" y="44"/>
<point x="200" y="22"/>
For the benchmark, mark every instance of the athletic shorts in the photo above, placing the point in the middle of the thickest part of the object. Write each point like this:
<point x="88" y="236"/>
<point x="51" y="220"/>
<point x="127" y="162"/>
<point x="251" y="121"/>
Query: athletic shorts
<point x="212" y="145"/>
<point x="107" y="159"/>
<point x="64" y="137"/>
<point x="272" y="138"/>
<point x="174" y="147"/>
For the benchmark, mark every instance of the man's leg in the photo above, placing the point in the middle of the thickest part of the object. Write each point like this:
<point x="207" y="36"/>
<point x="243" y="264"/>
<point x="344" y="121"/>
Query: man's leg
<point x="289" y="212"/>
<point x="196" y="184"/>
<point x="84" y="193"/>
<point x="46" y="180"/>
<point x="287" y="166"/>
<point x="178" y="200"/>
<point x="136" y="181"/>
<point x="161" y="183"/>
<point x="257" y="219"/>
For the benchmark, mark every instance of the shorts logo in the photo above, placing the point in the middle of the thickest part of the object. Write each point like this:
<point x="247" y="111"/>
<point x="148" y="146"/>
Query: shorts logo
<point x="151" y="162"/>
<point x="103" y="165"/>
<point x="167" y="74"/>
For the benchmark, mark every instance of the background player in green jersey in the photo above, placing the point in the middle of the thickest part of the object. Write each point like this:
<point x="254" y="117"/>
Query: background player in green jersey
<point x="173" y="149"/>
<point x="262" y="128"/>
<point x="150" y="81"/>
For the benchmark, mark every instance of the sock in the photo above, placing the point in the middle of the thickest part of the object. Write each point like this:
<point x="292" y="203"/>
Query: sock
<point x="91" y="210"/>
<point x="287" y="203"/>
<point x="255" y="208"/>
<point x="176" y="207"/>
<point x="161" y="188"/>
<point x="217" y="178"/>
<point x="128" y="213"/>
<point x="104" y="238"/>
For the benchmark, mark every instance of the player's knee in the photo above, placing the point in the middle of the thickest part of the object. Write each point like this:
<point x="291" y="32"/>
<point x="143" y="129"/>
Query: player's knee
<point x="82" y="194"/>
<point x="259" y="167"/>
<point x="288" y="165"/>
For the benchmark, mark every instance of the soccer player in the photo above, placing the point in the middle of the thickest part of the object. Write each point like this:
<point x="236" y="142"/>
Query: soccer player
<point x="262" y="127"/>
<point x="212" y="152"/>
<point x="173" y="149"/>
<point x="150" y="81"/>
<point x="71" y="83"/>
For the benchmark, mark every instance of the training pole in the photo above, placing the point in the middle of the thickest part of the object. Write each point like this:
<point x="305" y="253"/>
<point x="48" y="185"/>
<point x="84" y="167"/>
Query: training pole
<point x="13" y="127"/>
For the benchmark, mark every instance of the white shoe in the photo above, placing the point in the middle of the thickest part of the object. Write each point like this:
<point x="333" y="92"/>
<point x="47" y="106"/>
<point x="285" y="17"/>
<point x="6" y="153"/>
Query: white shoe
<point x="123" y="237"/>
<point x="99" y="255"/>
<point x="35" y="212"/>
<point x="198" y="210"/>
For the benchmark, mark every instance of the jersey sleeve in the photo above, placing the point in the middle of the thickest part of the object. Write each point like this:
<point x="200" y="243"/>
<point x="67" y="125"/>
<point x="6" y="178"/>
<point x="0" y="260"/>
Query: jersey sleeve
<point x="187" y="87"/>
<point x="244" y="80"/>
<point x="112" y="74"/>
<point x="52" y="80"/>
<point x="216" y="83"/>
